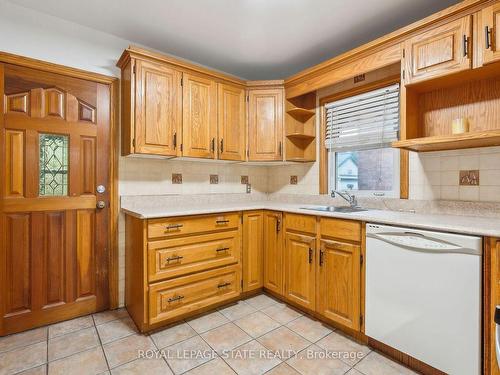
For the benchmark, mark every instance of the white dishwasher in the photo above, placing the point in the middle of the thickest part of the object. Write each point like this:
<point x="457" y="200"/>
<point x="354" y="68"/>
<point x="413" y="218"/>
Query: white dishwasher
<point x="423" y="295"/>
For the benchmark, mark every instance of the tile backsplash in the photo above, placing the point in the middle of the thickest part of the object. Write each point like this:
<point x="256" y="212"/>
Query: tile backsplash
<point x="142" y="176"/>
<point x="436" y="175"/>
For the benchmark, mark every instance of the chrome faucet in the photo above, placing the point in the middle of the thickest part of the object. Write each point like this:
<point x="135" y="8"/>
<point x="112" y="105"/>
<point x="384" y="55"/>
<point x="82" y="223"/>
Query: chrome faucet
<point x="350" y="198"/>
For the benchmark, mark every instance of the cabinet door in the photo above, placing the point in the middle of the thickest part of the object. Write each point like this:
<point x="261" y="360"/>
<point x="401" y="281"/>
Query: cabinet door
<point x="300" y="269"/>
<point x="439" y="52"/>
<point x="158" y="109"/>
<point x="339" y="282"/>
<point x="265" y="125"/>
<point x="489" y="36"/>
<point x="273" y="254"/>
<point x="199" y="130"/>
<point x="253" y="250"/>
<point x="231" y="122"/>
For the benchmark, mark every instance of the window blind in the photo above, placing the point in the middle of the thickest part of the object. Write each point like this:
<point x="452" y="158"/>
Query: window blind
<point x="366" y="121"/>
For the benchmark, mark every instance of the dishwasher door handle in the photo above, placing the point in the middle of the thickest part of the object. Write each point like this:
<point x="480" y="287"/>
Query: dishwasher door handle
<point x="497" y="334"/>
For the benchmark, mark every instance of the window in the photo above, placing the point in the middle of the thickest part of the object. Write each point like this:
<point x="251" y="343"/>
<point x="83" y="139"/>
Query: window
<point x="359" y="132"/>
<point x="53" y="165"/>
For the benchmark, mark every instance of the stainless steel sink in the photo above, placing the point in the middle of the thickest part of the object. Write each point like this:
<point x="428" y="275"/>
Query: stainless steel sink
<point x="335" y="209"/>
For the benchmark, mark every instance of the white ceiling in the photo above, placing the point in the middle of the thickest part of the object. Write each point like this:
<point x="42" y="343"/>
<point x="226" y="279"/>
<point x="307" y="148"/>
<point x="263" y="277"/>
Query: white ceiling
<point x="252" y="39"/>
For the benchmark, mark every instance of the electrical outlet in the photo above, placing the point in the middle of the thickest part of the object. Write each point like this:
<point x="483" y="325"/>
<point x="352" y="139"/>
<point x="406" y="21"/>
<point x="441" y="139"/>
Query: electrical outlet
<point x="249" y="188"/>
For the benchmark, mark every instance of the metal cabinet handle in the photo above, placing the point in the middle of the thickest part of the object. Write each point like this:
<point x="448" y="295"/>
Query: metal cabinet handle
<point x="223" y="285"/>
<point x="222" y="145"/>
<point x="175" y="141"/>
<point x="222" y="249"/>
<point x="465" y="45"/>
<point x="175" y="257"/>
<point x="176" y="298"/>
<point x="321" y="257"/>
<point x="278" y="225"/>
<point x="213" y="145"/>
<point x="487" y="36"/>
<point x="280" y="149"/>
<point x="222" y="221"/>
<point x="174" y="226"/>
<point x="310" y="255"/>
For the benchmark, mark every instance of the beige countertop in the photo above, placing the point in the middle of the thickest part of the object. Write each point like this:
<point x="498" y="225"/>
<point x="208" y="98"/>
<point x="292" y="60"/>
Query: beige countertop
<point x="473" y="225"/>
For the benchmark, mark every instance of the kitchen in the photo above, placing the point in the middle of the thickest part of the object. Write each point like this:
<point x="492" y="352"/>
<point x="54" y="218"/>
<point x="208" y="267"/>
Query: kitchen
<point x="335" y="215"/>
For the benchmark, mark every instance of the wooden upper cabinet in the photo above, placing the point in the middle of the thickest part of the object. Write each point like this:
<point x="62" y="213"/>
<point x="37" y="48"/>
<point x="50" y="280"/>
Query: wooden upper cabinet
<point x="199" y="117"/>
<point x="265" y="124"/>
<point x="158" y="108"/>
<point x="231" y="122"/>
<point x="489" y="34"/>
<point x="440" y="51"/>
<point x="300" y="269"/>
<point x="339" y="284"/>
<point x="273" y="254"/>
<point x="253" y="250"/>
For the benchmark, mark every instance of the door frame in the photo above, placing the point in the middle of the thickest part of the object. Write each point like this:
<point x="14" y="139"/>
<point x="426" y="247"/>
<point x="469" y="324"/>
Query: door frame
<point x="113" y="83"/>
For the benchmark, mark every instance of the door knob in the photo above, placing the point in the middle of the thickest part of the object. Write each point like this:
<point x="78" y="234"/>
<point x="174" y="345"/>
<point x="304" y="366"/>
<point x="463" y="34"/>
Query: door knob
<point x="101" y="204"/>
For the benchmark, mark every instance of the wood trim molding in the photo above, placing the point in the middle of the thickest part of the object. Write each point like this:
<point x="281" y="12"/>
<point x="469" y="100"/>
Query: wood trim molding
<point x="189" y="67"/>
<point x="29" y="62"/>
<point x="464" y="7"/>
<point x="323" y="153"/>
<point x="114" y="84"/>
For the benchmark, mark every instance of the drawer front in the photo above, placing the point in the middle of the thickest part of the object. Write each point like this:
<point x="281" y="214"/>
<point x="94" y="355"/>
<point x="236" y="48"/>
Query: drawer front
<point x="178" y="226"/>
<point x="339" y="228"/>
<point x="180" y="256"/>
<point x="301" y="223"/>
<point x="182" y="295"/>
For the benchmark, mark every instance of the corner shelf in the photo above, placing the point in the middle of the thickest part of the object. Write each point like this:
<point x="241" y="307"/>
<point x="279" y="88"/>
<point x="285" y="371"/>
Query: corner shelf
<point x="301" y="114"/>
<point x="300" y="128"/>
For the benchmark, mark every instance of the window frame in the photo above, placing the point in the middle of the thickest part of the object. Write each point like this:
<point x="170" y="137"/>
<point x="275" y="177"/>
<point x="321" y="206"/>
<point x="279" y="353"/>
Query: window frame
<point x="394" y="193"/>
<point x="324" y="167"/>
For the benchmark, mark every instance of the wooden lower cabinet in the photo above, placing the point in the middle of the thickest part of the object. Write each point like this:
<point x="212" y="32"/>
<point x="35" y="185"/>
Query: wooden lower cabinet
<point x="273" y="251"/>
<point x="300" y="269"/>
<point x="253" y="250"/>
<point x="491" y="295"/>
<point x="172" y="273"/>
<point x="339" y="286"/>
<point x="178" y="266"/>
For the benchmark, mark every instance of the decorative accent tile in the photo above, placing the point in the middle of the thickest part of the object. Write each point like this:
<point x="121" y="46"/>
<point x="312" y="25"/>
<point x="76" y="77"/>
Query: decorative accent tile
<point x="294" y="180"/>
<point x="214" y="179"/>
<point x="244" y="180"/>
<point x="176" y="178"/>
<point x="469" y="178"/>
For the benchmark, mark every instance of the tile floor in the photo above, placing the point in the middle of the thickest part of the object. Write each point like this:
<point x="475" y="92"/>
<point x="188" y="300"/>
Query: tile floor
<point x="256" y="336"/>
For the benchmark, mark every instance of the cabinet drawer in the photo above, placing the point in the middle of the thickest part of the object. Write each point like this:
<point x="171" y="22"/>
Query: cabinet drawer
<point x="339" y="228"/>
<point x="182" y="295"/>
<point x="301" y="223"/>
<point x="178" y="226"/>
<point x="180" y="256"/>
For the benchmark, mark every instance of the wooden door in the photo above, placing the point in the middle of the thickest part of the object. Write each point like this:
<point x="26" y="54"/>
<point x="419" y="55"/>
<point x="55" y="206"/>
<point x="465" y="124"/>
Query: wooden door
<point x="300" y="269"/>
<point x="265" y="125"/>
<point x="199" y="117"/>
<point x="54" y="147"/>
<point x="339" y="282"/>
<point x="273" y="253"/>
<point x="489" y="34"/>
<point x="438" y="52"/>
<point x="253" y="250"/>
<point x="231" y="122"/>
<point x="158" y="109"/>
